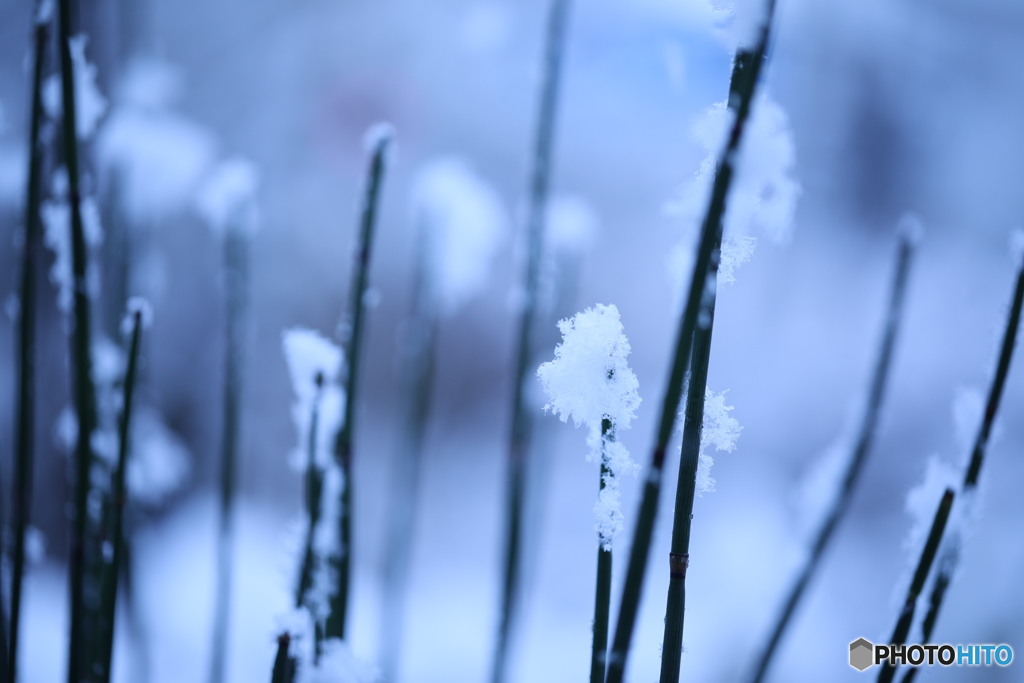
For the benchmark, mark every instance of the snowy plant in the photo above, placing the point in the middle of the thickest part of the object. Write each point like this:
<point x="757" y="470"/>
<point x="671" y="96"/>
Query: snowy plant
<point x="56" y="217"/>
<point x="90" y="104"/>
<point x="590" y="382"/>
<point x="764" y="193"/>
<point x="463" y="223"/>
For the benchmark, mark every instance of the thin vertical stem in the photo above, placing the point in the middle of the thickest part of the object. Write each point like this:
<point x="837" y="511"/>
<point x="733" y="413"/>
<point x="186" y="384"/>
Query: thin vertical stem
<point x="236" y="283"/>
<point x="521" y="428"/>
<point x="120" y="497"/>
<point x="336" y="621"/>
<point x="284" y="663"/>
<point x="750" y="64"/>
<point x="419" y="349"/>
<point x="84" y="389"/>
<point x="924" y="565"/>
<point x="864" y="440"/>
<point x="603" y="587"/>
<point x="26" y="359"/>
<point x="313" y="490"/>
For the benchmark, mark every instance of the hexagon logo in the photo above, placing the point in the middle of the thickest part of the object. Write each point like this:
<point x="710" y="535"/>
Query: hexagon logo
<point x="861" y="654"/>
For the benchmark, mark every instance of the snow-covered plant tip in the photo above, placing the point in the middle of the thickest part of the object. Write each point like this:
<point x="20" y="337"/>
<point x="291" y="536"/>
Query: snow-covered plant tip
<point x="590" y="381"/>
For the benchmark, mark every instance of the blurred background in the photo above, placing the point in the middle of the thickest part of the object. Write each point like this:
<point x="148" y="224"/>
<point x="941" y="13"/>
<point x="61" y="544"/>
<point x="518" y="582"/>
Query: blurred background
<point x="892" y="107"/>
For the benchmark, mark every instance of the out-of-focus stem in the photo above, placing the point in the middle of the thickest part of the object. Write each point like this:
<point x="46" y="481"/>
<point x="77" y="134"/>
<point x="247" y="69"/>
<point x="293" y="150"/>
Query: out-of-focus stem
<point x="519" y="439"/>
<point x="864" y="439"/>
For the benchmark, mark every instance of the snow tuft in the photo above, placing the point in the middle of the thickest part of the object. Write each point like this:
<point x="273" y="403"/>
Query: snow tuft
<point x="227" y="200"/>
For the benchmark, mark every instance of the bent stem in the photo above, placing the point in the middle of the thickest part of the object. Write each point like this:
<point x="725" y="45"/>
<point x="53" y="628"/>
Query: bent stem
<point x="924" y="565"/>
<point x="521" y="428"/>
<point x="119" y="500"/>
<point x="862" y="446"/>
<point x="746" y="75"/>
<point x="26" y="359"/>
<point x="336" y="620"/>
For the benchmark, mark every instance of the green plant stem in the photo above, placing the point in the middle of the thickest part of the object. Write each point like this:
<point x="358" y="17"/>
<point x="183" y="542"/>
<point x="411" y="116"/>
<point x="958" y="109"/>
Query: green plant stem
<point x="931" y="547"/>
<point x="521" y="428"/>
<point x="336" y="621"/>
<point x="951" y="554"/>
<point x="236" y="274"/>
<point x="314" y="489"/>
<point x="746" y="76"/>
<point x="120" y="498"/>
<point x="862" y="446"/>
<point x="284" y="663"/>
<point x="603" y="587"/>
<point x="693" y="423"/>
<point x="26" y="359"/>
<point x="84" y="389"/>
<point x="419" y="350"/>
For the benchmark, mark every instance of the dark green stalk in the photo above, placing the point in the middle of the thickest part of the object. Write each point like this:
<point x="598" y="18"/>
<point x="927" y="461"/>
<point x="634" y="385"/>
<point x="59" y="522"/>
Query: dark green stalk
<point x="336" y="621"/>
<point x="521" y="428"/>
<point x="284" y="663"/>
<point x="120" y="497"/>
<point x="419" y="349"/>
<point x="924" y="565"/>
<point x="236" y="271"/>
<point x="85" y="392"/>
<point x="862" y="446"/>
<point x="603" y="588"/>
<point x="746" y="73"/>
<point x="314" y="488"/>
<point x="951" y="555"/>
<point x="26" y="360"/>
<point x="693" y="423"/>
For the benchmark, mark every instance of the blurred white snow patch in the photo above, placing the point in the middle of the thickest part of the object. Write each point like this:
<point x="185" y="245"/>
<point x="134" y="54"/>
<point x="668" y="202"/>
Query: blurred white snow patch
<point x="136" y="305"/>
<point x="308" y="354"/>
<point x="968" y="407"/>
<point x="923" y="500"/>
<point x="35" y="545"/>
<point x="1017" y="247"/>
<point x="338" y="665"/>
<point x="590" y="381"/>
<point x="227" y="199"/>
<point x="911" y="228"/>
<point x="90" y="104"/>
<point x="486" y="27"/>
<point x="571" y="224"/>
<point x="149" y="84"/>
<point x="295" y="622"/>
<point x="160" y="460"/>
<point x="159" y="158"/>
<point x="739" y="22"/>
<point x="44" y="11"/>
<point x="464" y="224"/>
<point x="56" y="217"/>
<point x="720" y="430"/>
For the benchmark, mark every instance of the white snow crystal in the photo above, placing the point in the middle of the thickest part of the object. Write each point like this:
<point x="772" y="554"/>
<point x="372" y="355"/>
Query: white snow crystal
<point x="227" y="200"/>
<point x="338" y="665"/>
<point x="56" y="216"/>
<point x="736" y="250"/>
<point x="136" y="304"/>
<point x="90" y="104"/>
<point x="464" y="224"/>
<point x="309" y="355"/>
<point x="720" y="431"/>
<point x="380" y="134"/>
<point x="589" y="381"/>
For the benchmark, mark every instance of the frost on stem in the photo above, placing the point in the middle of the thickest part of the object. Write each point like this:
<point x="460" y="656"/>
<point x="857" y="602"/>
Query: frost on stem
<point x="719" y="430"/>
<point x="56" y="216"/>
<point x="590" y="381"/>
<point x="464" y="224"/>
<point x="227" y="200"/>
<point x="764" y="192"/>
<point x="315" y="364"/>
<point x="90" y="104"/>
